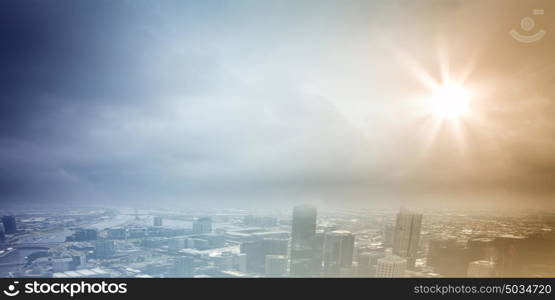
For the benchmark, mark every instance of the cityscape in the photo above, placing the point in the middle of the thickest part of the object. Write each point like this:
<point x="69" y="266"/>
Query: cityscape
<point x="277" y="139"/>
<point x="304" y="242"/>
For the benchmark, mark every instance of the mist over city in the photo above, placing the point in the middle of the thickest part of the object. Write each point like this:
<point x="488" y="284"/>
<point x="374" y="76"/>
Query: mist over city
<point x="240" y="139"/>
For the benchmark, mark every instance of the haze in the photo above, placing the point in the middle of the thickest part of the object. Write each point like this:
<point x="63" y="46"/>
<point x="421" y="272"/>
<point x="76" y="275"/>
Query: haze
<point x="260" y="103"/>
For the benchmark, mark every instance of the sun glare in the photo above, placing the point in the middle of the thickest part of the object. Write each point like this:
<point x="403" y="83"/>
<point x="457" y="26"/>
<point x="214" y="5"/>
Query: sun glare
<point x="450" y="101"/>
<point x="446" y="107"/>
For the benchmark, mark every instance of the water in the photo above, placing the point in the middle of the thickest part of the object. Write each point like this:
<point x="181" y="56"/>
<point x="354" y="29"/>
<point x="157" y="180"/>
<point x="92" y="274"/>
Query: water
<point x="118" y="220"/>
<point x="123" y="219"/>
<point x="58" y="236"/>
<point x="18" y="256"/>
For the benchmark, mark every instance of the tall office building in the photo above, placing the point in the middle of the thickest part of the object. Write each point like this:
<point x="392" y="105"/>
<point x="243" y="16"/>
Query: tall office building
<point x="157" y="221"/>
<point x="481" y="268"/>
<point x="62" y="264"/>
<point x="303" y="262"/>
<point x="202" y="225"/>
<point x="481" y="249"/>
<point x="79" y="260"/>
<point x="228" y="261"/>
<point x="510" y="255"/>
<point x="368" y="261"/>
<point x="84" y="234"/>
<point x="536" y="255"/>
<point x="2" y="233"/>
<point x="337" y="252"/>
<point x="224" y="261"/>
<point x="104" y="248"/>
<point x="276" y="266"/>
<point x="391" y="266"/>
<point x="436" y="247"/>
<point x="388" y="233"/>
<point x="317" y="254"/>
<point x="257" y="251"/>
<point x="10" y="224"/>
<point x="177" y="243"/>
<point x="448" y="256"/>
<point x="183" y="266"/>
<point x="407" y="236"/>
<point x="117" y="233"/>
<point x="363" y="265"/>
<point x="240" y="262"/>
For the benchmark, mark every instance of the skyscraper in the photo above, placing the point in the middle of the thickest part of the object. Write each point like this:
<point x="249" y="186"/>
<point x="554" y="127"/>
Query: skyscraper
<point x="85" y="234"/>
<point x="10" y="225"/>
<point x="481" y="249"/>
<point x="157" y="221"/>
<point x="183" y="266"/>
<point x="407" y="236"/>
<point x="177" y="243"/>
<point x="2" y="233"/>
<point x="435" y="247"/>
<point x="240" y="262"/>
<point x="79" y="259"/>
<point x="223" y="261"/>
<point x="302" y="241"/>
<point x="276" y="265"/>
<point x="202" y="225"/>
<point x="257" y="251"/>
<point x="62" y="264"/>
<point x="338" y="251"/>
<point x="448" y="257"/>
<point x="368" y="261"/>
<point x="391" y="266"/>
<point x="388" y="233"/>
<point x="104" y="248"/>
<point x="509" y="255"/>
<point x="117" y="233"/>
<point x="317" y="253"/>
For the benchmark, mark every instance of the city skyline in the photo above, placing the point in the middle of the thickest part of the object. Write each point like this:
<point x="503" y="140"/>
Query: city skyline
<point x="278" y="139"/>
<point x="298" y="243"/>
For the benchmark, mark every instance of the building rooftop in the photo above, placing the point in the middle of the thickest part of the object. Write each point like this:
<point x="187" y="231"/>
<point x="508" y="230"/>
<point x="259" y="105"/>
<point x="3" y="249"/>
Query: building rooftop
<point x="96" y="272"/>
<point x="483" y="263"/>
<point x="391" y="258"/>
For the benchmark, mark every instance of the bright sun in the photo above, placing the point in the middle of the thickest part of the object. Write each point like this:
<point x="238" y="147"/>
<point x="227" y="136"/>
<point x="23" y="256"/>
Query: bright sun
<point x="450" y="100"/>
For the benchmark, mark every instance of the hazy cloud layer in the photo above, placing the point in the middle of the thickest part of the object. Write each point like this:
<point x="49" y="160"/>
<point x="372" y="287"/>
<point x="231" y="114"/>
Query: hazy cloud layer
<point x="251" y="101"/>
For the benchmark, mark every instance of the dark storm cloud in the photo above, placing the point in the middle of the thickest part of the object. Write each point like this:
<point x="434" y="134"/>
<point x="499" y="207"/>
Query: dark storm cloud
<point x="66" y="66"/>
<point x="59" y="56"/>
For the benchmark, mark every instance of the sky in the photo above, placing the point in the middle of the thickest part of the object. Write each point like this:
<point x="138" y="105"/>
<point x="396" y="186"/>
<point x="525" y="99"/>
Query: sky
<point x="259" y="103"/>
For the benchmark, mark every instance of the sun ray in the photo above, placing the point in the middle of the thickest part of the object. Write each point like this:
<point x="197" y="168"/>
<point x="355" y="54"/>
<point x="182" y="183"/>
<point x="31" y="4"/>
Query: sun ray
<point x="419" y="72"/>
<point x="444" y="65"/>
<point x="446" y="108"/>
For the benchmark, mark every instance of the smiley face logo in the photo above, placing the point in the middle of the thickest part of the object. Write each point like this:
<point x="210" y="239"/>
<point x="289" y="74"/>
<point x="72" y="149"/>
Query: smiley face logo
<point x="11" y="291"/>
<point x="527" y="24"/>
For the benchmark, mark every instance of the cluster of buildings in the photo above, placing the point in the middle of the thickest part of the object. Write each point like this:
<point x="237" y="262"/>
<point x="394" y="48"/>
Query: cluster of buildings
<point x="302" y="245"/>
<point x="500" y="256"/>
<point x="8" y="226"/>
<point x="333" y="252"/>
